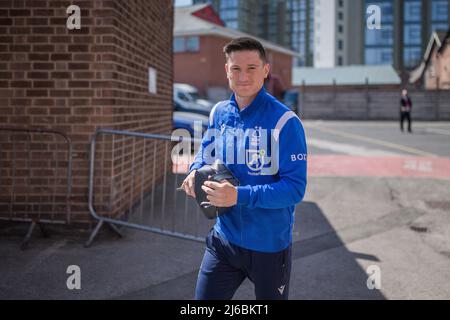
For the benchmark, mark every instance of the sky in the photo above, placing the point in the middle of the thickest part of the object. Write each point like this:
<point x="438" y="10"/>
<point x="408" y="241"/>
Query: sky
<point x="180" y="3"/>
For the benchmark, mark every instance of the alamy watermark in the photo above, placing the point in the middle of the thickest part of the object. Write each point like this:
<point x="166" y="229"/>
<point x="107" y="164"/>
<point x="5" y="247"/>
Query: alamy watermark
<point x="257" y="148"/>
<point x="74" y="20"/>
<point x="374" y="18"/>
<point x="374" y="279"/>
<point x="74" y="280"/>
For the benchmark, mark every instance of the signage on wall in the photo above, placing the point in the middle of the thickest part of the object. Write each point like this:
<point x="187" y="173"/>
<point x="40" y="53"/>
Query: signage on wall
<point x="152" y="80"/>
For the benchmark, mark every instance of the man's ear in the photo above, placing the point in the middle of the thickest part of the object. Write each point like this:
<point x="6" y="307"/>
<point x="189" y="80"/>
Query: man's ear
<point x="266" y="70"/>
<point x="226" y="69"/>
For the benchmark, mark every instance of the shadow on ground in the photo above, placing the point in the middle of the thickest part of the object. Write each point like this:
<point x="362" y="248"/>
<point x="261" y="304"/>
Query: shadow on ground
<point x="151" y="266"/>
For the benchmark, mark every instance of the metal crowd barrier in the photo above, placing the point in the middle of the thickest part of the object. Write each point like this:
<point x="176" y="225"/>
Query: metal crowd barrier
<point x="133" y="179"/>
<point x="35" y="177"/>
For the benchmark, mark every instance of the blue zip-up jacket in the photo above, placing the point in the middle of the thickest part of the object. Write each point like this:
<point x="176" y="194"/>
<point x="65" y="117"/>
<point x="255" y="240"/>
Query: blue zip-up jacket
<point x="272" y="176"/>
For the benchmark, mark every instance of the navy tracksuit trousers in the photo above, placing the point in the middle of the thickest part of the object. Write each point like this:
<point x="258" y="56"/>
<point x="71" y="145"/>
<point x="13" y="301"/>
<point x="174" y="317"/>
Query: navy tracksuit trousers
<point x="225" y="266"/>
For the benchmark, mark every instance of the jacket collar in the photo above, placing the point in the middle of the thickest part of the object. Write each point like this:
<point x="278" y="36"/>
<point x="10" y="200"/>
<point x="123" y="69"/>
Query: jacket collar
<point x="253" y="106"/>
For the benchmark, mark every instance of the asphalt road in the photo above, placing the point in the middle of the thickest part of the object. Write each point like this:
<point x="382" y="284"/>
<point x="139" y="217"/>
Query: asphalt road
<point x="382" y="138"/>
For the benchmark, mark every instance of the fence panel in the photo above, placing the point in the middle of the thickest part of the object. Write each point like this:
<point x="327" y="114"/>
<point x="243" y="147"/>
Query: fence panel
<point x="371" y="104"/>
<point x="133" y="181"/>
<point x="35" y="177"/>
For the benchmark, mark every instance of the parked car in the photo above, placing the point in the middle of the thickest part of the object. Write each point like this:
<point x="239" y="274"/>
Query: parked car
<point x="186" y="120"/>
<point x="186" y="98"/>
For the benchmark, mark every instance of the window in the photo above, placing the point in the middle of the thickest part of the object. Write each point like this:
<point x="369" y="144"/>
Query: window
<point x="439" y="26"/>
<point x="224" y="4"/>
<point x="376" y="56"/>
<point x="303" y="15"/>
<point x="439" y="10"/>
<point x="341" y="16"/>
<point x="193" y="44"/>
<point x="387" y="10"/>
<point x="412" y="34"/>
<point x="386" y="56"/>
<point x="183" y="97"/>
<point x="186" y="44"/>
<point x="178" y="44"/>
<point x="385" y="36"/>
<point x="412" y="10"/>
<point x="340" y="28"/>
<point x="302" y="5"/>
<point x="411" y="56"/>
<point x="232" y="24"/>
<point x="340" y="63"/>
<point x="302" y="27"/>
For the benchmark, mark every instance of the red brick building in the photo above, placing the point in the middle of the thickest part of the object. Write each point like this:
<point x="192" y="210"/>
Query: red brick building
<point x="76" y="81"/>
<point x="199" y="38"/>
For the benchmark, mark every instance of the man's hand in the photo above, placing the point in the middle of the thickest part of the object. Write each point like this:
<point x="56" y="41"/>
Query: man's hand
<point x="222" y="194"/>
<point x="188" y="184"/>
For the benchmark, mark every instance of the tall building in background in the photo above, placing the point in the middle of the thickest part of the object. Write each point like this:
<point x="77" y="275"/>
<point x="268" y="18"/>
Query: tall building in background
<point x="406" y="26"/>
<point x="289" y="23"/>
<point x="342" y="36"/>
<point x="329" y="33"/>
<point x="338" y="33"/>
<point x="237" y="14"/>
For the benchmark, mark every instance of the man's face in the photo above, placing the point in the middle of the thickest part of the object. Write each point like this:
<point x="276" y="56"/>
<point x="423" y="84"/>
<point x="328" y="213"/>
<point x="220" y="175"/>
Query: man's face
<point x="404" y="92"/>
<point x="246" y="72"/>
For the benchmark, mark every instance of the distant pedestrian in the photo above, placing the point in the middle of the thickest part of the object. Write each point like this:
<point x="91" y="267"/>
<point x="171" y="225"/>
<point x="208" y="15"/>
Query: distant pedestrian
<point x="405" y="109"/>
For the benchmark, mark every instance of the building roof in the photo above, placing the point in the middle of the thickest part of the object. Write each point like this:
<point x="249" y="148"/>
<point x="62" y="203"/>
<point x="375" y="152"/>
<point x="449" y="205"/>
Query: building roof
<point x="346" y="75"/>
<point x="187" y="24"/>
<point x="439" y="39"/>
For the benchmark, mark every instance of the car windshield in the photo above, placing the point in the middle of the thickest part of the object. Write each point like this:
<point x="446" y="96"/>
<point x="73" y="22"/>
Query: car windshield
<point x="194" y="95"/>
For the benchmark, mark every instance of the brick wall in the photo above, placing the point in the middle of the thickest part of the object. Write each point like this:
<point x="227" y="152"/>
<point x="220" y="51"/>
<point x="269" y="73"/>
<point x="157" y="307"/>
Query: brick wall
<point x="202" y="69"/>
<point x="78" y="80"/>
<point x="281" y="65"/>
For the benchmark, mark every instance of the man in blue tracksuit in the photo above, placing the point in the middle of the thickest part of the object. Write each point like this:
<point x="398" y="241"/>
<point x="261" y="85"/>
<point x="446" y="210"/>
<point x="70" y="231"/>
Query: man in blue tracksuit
<point x="263" y="143"/>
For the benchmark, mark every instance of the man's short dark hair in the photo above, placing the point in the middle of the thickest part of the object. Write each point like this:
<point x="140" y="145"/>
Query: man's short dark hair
<point x="245" y="44"/>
